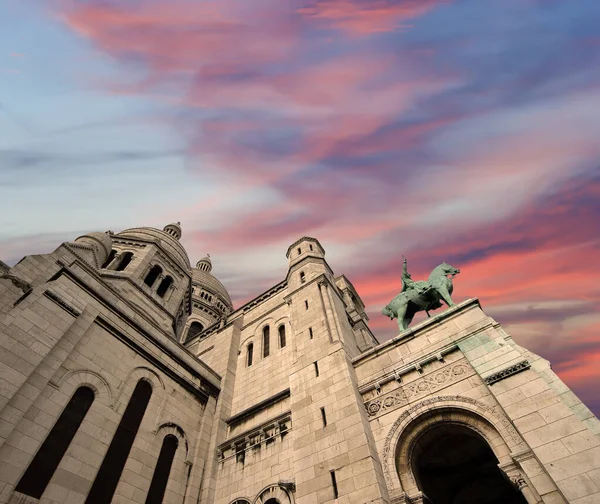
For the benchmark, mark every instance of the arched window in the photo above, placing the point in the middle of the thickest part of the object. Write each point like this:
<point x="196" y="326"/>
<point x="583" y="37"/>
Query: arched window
<point x="195" y="329"/>
<point x="152" y="275"/>
<point x="110" y="258"/>
<point x="125" y="260"/>
<point x="266" y="342"/>
<point x="302" y="277"/>
<point x="281" y="336"/>
<point x="158" y="485"/>
<point x="108" y="476"/>
<point x="164" y="286"/>
<point x="44" y="464"/>
<point x="249" y="354"/>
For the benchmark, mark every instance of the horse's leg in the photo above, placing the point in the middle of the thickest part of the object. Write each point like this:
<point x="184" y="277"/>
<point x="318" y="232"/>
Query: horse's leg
<point x="401" y="314"/>
<point x="427" y="311"/>
<point x="443" y="292"/>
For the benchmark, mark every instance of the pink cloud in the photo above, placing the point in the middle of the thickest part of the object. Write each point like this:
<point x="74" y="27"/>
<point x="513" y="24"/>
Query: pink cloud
<point x="361" y="17"/>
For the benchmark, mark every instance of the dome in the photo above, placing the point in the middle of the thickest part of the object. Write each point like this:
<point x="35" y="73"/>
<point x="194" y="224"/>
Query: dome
<point x="167" y="240"/>
<point x="205" y="264"/>
<point x="173" y="229"/>
<point x="102" y="242"/>
<point x="205" y="279"/>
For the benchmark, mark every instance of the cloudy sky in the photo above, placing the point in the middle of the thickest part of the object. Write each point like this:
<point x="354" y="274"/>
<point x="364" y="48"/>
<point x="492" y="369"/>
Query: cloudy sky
<point x="458" y="130"/>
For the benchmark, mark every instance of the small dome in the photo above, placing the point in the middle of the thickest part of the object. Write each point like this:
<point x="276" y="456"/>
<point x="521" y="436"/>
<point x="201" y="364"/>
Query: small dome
<point x="102" y="242"/>
<point x="174" y="230"/>
<point x="205" y="264"/>
<point x="203" y="278"/>
<point x="167" y="240"/>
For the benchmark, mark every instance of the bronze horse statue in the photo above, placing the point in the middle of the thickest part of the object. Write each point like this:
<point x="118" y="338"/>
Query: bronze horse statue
<point x="421" y="295"/>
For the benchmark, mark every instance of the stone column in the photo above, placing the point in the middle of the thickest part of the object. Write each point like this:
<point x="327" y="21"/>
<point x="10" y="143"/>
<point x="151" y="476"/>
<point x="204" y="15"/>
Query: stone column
<point x="517" y="478"/>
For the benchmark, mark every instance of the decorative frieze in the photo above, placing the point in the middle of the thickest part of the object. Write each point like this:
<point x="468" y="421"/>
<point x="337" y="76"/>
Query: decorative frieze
<point x="509" y="371"/>
<point x="264" y="434"/>
<point x="423" y="386"/>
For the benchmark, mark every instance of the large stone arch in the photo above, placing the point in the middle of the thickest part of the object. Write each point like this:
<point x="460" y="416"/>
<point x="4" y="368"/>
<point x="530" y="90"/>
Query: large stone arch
<point x="74" y="379"/>
<point x="174" y="429"/>
<point x="274" y="492"/>
<point x="488" y="421"/>
<point x="128" y="385"/>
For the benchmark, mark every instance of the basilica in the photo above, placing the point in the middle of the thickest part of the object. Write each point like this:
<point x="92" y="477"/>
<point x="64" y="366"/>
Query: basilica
<point x="127" y="375"/>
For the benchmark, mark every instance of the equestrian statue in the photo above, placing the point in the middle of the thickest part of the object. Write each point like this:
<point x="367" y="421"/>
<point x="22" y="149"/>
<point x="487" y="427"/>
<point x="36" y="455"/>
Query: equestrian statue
<point x="420" y="295"/>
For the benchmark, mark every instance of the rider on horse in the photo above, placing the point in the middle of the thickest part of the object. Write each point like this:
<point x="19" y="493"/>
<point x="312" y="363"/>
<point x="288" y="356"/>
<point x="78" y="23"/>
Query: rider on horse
<point x="408" y="283"/>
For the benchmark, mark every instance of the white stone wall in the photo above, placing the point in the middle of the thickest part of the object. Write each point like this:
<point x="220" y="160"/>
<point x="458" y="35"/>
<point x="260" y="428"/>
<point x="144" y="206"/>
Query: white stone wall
<point x="66" y="336"/>
<point x="536" y="426"/>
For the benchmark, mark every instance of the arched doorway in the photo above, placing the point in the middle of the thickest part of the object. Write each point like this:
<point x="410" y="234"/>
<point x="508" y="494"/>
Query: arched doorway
<point x="453" y="464"/>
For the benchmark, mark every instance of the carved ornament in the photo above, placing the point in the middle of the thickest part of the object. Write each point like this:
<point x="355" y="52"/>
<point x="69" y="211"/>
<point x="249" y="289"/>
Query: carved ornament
<point x="423" y="386"/>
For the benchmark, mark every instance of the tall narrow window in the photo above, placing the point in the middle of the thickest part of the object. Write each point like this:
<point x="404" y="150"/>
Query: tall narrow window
<point x="108" y="476"/>
<point x="125" y="260"/>
<point x="110" y="258"/>
<point x="316" y="368"/>
<point x="158" y="485"/>
<point x="310" y="246"/>
<point x="310" y="332"/>
<point x="164" y="286"/>
<point x="324" y="417"/>
<point x="306" y="304"/>
<point x="266" y="341"/>
<point x="281" y="336"/>
<point x="334" y="484"/>
<point x="46" y="460"/>
<point x="299" y="251"/>
<point x="249" y="354"/>
<point x="152" y="275"/>
<point x="302" y="277"/>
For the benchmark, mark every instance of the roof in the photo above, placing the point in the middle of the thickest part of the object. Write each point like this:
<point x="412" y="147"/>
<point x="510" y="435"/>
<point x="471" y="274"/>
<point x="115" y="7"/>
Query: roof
<point x="168" y="242"/>
<point x="205" y="279"/>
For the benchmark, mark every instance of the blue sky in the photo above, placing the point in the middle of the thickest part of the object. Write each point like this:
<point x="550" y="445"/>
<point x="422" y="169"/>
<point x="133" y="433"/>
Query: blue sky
<point x="464" y="131"/>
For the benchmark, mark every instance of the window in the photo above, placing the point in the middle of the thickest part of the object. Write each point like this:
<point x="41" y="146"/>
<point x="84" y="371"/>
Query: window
<point x="266" y="341"/>
<point x="111" y="258"/>
<point x="195" y="329"/>
<point x="158" y="485"/>
<point x="164" y="286"/>
<point x="306" y="304"/>
<point x="281" y="336"/>
<point x="125" y="260"/>
<point x="310" y="332"/>
<point x="299" y="251"/>
<point x="316" y="368"/>
<point x="152" y="275"/>
<point x="310" y="246"/>
<point x="334" y="485"/>
<point x="108" y="476"/>
<point x="249" y="353"/>
<point x="44" y="464"/>
<point x="302" y="277"/>
<point x="324" y="417"/>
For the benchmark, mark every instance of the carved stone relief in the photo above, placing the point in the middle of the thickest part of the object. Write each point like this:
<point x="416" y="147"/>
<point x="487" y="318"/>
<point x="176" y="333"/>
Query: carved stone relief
<point x="429" y="383"/>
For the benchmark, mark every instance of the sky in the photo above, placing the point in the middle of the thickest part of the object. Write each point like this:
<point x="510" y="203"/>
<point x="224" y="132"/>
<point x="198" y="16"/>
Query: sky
<point x="465" y="131"/>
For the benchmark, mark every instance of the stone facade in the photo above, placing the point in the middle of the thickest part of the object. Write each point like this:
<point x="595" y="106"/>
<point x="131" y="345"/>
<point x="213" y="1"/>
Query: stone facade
<point x="287" y="399"/>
